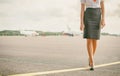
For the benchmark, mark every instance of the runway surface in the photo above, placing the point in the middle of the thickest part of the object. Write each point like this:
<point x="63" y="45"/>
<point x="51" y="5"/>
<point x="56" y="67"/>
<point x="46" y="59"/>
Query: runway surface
<point x="33" y="55"/>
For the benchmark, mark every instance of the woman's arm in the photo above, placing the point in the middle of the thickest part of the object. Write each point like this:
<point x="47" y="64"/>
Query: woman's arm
<point x="103" y="14"/>
<point x="82" y="16"/>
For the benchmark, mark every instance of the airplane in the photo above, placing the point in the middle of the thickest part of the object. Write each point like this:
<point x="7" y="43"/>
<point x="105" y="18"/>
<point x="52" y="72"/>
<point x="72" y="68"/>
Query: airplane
<point x="70" y="32"/>
<point x="29" y="33"/>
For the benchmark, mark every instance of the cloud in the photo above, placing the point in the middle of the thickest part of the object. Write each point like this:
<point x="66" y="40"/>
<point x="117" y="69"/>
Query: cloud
<point x="37" y="11"/>
<point x="4" y="1"/>
<point x="118" y="10"/>
<point x="49" y="14"/>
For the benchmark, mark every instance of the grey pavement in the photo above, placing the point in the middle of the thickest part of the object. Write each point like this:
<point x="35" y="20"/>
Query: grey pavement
<point x="19" y="55"/>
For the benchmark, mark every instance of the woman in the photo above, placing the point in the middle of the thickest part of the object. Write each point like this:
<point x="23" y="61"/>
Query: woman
<point x="92" y="20"/>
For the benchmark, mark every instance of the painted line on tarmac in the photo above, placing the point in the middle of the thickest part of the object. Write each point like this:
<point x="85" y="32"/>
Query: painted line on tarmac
<point x="65" y="70"/>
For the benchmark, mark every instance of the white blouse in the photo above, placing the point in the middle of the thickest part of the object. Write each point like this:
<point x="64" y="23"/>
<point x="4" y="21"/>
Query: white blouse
<point x="91" y="3"/>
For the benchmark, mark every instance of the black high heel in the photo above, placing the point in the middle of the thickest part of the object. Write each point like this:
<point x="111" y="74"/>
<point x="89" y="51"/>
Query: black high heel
<point x="91" y="67"/>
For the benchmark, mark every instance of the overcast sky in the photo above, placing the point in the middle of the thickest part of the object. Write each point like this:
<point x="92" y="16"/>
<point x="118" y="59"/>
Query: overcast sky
<point x="51" y="15"/>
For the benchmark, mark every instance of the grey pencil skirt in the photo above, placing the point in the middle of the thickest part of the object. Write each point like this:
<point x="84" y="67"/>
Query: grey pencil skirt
<point x="92" y="18"/>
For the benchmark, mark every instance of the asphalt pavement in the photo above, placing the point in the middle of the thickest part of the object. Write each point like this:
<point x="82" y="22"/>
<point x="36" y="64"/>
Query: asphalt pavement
<point x="25" y="55"/>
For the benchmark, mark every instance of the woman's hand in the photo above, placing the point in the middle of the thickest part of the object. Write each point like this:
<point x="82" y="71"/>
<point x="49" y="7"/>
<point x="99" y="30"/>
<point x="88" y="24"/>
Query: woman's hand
<point x="82" y="16"/>
<point x="82" y="27"/>
<point x="102" y="23"/>
<point x="103" y="14"/>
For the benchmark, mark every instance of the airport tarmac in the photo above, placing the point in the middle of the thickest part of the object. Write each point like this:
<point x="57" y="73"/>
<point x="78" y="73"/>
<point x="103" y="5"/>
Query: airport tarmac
<point x="30" y="56"/>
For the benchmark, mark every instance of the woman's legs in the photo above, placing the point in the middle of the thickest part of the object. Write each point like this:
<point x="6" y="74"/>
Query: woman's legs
<point x="90" y="50"/>
<point x="91" y="47"/>
<point x="94" y="45"/>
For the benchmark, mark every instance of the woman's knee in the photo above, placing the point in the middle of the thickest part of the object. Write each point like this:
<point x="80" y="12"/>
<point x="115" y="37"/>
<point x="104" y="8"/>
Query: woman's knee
<point x="89" y="41"/>
<point x="94" y="40"/>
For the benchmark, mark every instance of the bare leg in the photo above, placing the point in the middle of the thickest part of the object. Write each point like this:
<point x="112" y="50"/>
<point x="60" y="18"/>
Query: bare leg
<point x="90" y="51"/>
<point x="94" y="45"/>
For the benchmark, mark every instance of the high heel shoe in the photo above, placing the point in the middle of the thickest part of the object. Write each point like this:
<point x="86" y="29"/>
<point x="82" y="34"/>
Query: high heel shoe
<point x="91" y="67"/>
